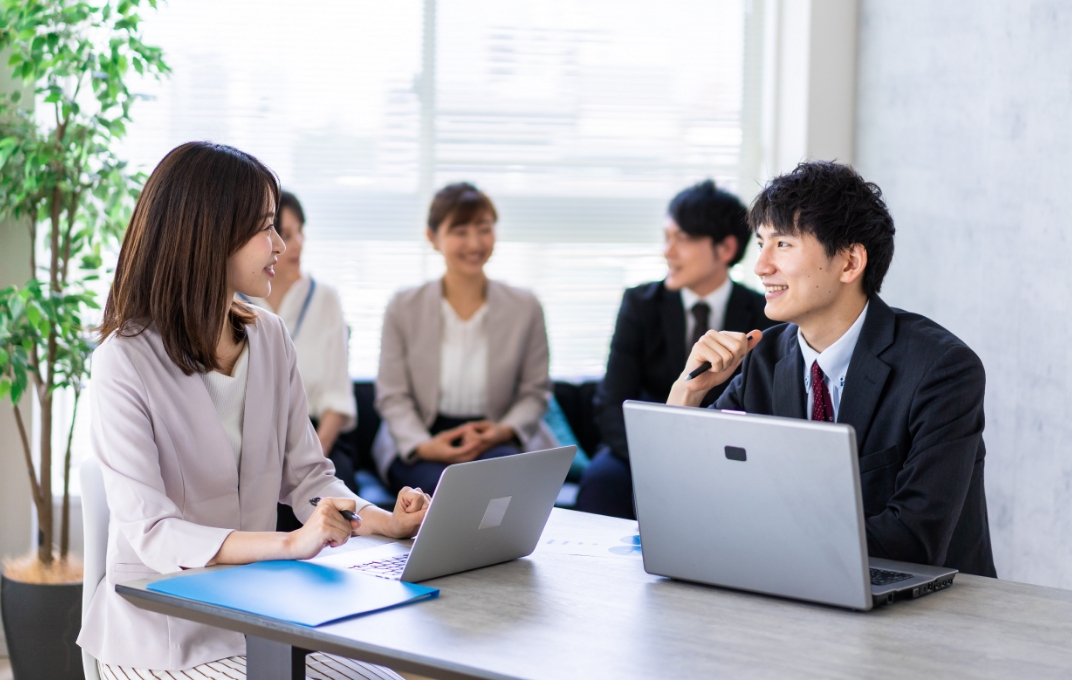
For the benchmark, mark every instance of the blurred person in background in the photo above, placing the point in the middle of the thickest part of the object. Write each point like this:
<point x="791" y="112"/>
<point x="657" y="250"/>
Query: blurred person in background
<point x="313" y="316"/>
<point x="706" y="233"/>
<point x="464" y="359"/>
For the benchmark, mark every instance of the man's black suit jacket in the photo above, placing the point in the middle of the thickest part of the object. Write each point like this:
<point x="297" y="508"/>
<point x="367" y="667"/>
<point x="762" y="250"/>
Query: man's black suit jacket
<point x="648" y="351"/>
<point x="914" y="395"/>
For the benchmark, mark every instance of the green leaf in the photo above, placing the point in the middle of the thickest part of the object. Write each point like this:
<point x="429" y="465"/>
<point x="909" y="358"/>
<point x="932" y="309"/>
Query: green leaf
<point x="5" y="388"/>
<point x="18" y="386"/>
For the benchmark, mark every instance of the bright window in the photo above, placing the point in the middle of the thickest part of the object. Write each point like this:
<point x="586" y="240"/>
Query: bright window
<point x="581" y="119"/>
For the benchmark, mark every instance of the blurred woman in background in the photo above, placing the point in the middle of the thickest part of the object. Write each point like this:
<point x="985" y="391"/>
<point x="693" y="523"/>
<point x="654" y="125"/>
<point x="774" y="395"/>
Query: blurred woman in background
<point x="463" y="360"/>
<point x="312" y="313"/>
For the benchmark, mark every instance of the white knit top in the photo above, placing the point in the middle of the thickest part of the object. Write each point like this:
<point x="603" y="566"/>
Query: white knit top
<point x="463" y="364"/>
<point x="228" y="394"/>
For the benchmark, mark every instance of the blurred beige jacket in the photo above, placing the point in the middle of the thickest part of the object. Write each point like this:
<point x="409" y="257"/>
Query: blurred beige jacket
<point x="407" y="386"/>
<point x="174" y="491"/>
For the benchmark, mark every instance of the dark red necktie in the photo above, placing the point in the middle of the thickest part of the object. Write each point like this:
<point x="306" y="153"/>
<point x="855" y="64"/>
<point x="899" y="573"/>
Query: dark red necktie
<point x="701" y="316"/>
<point x="822" y="408"/>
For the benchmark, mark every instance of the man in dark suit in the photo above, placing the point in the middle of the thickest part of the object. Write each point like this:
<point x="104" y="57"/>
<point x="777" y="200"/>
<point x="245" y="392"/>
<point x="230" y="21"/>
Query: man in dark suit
<point x="911" y="389"/>
<point x="706" y="233"/>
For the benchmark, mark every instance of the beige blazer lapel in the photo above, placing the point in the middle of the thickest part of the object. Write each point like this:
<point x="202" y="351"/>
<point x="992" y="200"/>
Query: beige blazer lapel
<point x="425" y="354"/>
<point x="502" y="353"/>
<point x="205" y="432"/>
<point x="263" y="384"/>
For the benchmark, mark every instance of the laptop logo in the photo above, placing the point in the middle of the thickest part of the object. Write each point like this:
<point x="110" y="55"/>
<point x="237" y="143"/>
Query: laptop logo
<point x="493" y="516"/>
<point x="736" y="453"/>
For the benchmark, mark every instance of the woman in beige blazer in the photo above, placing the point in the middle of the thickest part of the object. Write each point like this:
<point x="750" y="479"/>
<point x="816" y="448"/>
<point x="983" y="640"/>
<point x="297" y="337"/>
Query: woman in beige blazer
<point x="200" y="421"/>
<point x="463" y="360"/>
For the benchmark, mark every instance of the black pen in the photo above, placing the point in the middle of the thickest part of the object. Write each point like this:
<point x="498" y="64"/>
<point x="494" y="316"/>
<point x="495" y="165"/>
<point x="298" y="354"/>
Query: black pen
<point x="705" y="366"/>
<point x="345" y="513"/>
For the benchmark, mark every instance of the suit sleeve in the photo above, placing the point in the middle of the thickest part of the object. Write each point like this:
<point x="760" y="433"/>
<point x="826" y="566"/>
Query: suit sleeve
<point x="307" y="472"/>
<point x="624" y="376"/>
<point x="534" y="382"/>
<point x="946" y="429"/>
<point x="124" y="444"/>
<point x="395" y="400"/>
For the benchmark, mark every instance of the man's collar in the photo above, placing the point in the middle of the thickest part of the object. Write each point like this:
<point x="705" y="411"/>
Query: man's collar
<point x="716" y="299"/>
<point x="834" y="360"/>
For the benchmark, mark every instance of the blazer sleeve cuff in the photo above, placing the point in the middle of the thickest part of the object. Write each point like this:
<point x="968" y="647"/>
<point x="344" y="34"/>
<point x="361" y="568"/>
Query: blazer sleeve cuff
<point x="387" y="446"/>
<point x="336" y="488"/>
<point x="524" y="426"/>
<point x="888" y="537"/>
<point x="343" y="404"/>
<point x="175" y="544"/>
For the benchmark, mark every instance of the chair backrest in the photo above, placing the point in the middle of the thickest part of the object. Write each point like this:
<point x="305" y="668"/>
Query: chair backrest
<point x="95" y="544"/>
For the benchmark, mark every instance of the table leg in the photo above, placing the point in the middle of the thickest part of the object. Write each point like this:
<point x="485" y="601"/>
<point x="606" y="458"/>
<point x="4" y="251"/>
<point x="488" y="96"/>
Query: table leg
<point x="269" y="660"/>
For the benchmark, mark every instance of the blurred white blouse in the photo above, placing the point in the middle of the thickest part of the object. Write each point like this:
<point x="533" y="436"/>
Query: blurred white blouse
<point x="312" y="313"/>
<point x="463" y="364"/>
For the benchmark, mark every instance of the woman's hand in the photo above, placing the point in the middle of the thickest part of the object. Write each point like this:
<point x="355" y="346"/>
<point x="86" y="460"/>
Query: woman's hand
<point x="725" y="351"/>
<point x="486" y="435"/>
<point x="410" y="508"/>
<point x="325" y="528"/>
<point x="450" y="446"/>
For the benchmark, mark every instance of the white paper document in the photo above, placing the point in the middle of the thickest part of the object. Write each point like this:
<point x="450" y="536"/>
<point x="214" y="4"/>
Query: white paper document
<point x="591" y="545"/>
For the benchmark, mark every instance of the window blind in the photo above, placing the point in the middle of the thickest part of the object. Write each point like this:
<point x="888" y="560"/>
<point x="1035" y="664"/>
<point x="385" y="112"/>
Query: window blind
<point x="580" y="118"/>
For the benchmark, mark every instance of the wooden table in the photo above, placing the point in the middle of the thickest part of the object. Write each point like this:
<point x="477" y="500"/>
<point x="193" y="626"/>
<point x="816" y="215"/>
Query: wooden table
<point x="556" y="615"/>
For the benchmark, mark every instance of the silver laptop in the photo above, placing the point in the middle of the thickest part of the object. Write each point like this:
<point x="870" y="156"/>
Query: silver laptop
<point x="759" y="503"/>
<point x="483" y="513"/>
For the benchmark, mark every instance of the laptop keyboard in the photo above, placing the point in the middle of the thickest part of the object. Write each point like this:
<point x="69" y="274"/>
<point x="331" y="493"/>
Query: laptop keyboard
<point x="884" y="577"/>
<point x="388" y="568"/>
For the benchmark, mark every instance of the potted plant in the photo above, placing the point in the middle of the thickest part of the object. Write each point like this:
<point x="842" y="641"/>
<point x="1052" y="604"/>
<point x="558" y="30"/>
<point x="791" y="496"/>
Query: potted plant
<point x="60" y="177"/>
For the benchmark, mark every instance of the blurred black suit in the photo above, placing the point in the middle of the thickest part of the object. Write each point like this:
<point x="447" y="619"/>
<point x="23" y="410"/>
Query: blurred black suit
<point x="647" y="354"/>
<point x="914" y="395"/>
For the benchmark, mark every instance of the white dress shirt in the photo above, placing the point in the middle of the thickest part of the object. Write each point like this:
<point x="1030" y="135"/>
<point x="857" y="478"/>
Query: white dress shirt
<point x="834" y="361"/>
<point x="321" y="342"/>
<point x="463" y="364"/>
<point x="716" y="300"/>
<point x="228" y="395"/>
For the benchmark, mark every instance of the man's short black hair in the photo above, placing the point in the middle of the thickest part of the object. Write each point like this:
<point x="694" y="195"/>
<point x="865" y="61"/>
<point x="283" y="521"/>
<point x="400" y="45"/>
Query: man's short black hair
<point x="289" y="200"/>
<point x="705" y="210"/>
<point x="833" y="203"/>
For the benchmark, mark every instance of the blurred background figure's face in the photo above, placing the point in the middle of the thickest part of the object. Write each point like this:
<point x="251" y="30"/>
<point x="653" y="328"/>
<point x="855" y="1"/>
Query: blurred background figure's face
<point x="290" y="230"/>
<point x="465" y="247"/>
<point x="694" y="262"/>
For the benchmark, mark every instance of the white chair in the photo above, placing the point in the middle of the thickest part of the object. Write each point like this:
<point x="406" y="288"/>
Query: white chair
<point x="95" y="544"/>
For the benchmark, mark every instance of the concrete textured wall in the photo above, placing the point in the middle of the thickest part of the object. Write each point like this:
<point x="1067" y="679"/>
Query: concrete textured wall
<point x="964" y="118"/>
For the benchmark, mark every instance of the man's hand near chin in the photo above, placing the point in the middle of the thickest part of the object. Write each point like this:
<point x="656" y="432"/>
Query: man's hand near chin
<point x="725" y="351"/>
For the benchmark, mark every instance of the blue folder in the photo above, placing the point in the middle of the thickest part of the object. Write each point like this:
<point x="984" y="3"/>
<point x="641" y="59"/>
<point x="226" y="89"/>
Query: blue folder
<point x="296" y="592"/>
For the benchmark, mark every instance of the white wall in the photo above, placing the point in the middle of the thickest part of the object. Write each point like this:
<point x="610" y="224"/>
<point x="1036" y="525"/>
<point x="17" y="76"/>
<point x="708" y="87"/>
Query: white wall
<point x="964" y="118"/>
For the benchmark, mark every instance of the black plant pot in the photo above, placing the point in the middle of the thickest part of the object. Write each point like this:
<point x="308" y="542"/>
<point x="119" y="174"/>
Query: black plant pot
<point x="41" y="622"/>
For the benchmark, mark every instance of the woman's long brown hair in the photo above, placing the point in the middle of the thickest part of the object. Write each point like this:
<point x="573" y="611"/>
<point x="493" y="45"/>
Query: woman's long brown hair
<point x="200" y="205"/>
